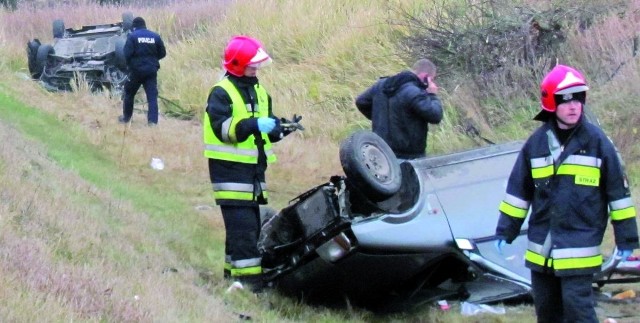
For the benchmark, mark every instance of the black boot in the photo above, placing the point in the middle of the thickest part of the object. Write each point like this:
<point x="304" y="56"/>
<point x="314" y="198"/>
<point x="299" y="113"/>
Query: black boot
<point x="254" y="283"/>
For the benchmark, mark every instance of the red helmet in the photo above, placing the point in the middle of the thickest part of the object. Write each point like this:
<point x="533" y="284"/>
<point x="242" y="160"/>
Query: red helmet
<point x="561" y="79"/>
<point x="242" y="51"/>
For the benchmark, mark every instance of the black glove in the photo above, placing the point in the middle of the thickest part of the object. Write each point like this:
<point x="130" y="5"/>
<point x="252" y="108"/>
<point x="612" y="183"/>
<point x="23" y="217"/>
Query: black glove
<point x="289" y="126"/>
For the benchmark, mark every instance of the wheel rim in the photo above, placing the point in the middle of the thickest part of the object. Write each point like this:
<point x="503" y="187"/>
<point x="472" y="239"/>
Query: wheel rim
<point x="376" y="162"/>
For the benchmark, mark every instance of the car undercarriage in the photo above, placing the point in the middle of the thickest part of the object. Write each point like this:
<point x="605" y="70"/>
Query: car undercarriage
<point x="92" y="56"/>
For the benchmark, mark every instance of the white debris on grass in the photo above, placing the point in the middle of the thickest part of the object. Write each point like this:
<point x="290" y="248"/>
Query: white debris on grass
<point x="157" y="163"/>
<point x="469" y="309"/>
<point x="235" y="286"/>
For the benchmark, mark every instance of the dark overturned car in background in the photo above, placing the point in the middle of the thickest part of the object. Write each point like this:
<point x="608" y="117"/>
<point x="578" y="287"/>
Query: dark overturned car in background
<point x="92" y="54"/>
<point x="389" y="234"/>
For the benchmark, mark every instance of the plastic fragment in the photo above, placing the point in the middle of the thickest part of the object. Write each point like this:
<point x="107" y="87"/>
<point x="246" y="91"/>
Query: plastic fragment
<point x="444" y="305"/>
<point x="469" y="309"/>
<point x="630" y="293"/>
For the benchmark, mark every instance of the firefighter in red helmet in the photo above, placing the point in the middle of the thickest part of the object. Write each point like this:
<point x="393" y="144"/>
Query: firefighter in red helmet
<point x="244" y="51"/>
<point x="561" y="81"/>
<point x="569" y="180"/>
<point x="239" y="128"/>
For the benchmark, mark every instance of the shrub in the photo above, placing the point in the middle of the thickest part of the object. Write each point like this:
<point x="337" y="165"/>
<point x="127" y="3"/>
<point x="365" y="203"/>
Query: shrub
<point x="501" y="47"/>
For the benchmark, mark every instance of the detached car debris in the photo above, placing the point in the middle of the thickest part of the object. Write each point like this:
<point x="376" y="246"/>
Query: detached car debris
<point x="92" y="54"/>
<point x="389" y="234"/>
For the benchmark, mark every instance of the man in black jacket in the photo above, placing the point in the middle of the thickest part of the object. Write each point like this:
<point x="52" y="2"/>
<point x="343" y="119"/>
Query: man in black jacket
<point x="143" y="51"/>
<point x="400" y="108"/>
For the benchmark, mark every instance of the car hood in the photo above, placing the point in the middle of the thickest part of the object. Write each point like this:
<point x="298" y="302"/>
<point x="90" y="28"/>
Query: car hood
<point x="465" y="186"/>
<point x="459" y="198"/>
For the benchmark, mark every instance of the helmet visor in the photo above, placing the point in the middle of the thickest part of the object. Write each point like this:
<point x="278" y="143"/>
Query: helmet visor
<point x="260" y="59"/>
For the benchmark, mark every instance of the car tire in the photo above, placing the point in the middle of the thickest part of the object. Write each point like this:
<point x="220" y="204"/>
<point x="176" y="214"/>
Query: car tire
<point x="370" y="165"/>
<point x="121" y="61"/>
<point x="32" y="53"/>
<point x="127" y="20"/>
<point x="42" y="57"/>
<point x="58" y="28"/>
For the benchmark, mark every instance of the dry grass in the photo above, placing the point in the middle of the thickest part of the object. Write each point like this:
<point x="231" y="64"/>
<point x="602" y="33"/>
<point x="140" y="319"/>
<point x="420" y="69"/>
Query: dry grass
<point x="314" y="54"/>
<point x="76" y="248"/>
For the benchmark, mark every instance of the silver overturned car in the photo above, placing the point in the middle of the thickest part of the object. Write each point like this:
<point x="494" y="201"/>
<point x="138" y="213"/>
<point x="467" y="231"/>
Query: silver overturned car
<point x="92" y="54"/>
<point x="395" y="233"/>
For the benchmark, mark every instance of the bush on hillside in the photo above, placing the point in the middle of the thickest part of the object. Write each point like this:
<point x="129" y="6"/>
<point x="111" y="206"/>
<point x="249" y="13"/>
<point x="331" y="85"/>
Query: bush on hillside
<point x="503" y="47"/>
<point x="481" y="38"/>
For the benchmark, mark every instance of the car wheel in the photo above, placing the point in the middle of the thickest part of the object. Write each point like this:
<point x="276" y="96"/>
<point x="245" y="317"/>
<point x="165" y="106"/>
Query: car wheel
<point x="58" y="28"/>
<point x="42" y="56"/>
<point x="127" y="21"/>
<point x="121" y="61"/>
<point x="32" y="53"/>
<point x="370" y="165"/>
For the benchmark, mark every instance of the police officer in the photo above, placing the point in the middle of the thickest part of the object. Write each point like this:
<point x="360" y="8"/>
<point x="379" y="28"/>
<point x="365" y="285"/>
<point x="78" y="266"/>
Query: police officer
<point x="143" y="51"/>
<point x="570" y="175"/>
<point x="239" y="127"/>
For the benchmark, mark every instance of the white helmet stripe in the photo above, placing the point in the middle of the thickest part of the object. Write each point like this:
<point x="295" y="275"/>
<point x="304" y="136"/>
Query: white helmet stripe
<point x="571" y="84"/>
<point x="259" y="57"/>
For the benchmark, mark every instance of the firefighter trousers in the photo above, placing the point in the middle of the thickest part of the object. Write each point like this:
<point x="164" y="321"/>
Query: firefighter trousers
<point x="563" y="299"/>
<point x="242" y="258"/>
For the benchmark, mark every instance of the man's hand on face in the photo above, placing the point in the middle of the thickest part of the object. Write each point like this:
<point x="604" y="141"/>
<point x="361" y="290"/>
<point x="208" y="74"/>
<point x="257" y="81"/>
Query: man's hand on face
<point x="433" y="87"/>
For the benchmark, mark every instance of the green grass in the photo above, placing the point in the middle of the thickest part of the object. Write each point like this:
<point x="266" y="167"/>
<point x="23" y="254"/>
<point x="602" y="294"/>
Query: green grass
<point x="68" y="146"/>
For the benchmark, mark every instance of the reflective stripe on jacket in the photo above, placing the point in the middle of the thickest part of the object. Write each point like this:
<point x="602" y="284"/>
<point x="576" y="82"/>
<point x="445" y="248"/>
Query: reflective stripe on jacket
<point x="228" y="148"/>
<point x="570" y="191"/>
<point x="238" y="191"/>
<point x="236" y="177"/>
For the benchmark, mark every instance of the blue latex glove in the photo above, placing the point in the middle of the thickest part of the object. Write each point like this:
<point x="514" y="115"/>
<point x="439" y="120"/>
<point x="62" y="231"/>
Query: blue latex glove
<point x="266" y="124"/>
<point x="499" y="244"/>
<point x="624" y="254"/>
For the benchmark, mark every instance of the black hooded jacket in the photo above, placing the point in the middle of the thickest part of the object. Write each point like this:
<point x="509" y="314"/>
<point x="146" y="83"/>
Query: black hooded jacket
<point x="400" y="110"/>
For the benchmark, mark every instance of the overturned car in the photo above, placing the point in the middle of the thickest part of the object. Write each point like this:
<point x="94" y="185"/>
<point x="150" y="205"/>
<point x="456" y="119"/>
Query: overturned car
<point x="395" y="233"/>
<point x="92" y="54"/>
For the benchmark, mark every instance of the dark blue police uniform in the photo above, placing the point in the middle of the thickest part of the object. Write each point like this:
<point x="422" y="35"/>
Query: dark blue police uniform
<point x="143" y="51"/>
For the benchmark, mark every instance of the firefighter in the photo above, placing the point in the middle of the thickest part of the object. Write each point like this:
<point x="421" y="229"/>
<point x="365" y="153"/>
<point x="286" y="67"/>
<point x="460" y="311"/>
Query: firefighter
<point x="571" y="177"/>
<point x="239" y="127"/>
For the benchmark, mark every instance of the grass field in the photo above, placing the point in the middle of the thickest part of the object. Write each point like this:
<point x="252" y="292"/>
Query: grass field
<point x="90" y="232"/>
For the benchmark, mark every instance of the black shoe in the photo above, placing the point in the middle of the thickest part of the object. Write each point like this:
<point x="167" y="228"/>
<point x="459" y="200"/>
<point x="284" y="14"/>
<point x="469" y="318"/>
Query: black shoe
<point x="122" y="119"/>
<point x="254" y="283"/>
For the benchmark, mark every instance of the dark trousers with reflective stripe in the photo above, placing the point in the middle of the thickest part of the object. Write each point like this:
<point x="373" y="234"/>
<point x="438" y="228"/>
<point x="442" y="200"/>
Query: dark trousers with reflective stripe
<point x="563" y="299"/>
<point x="242" y="227"/>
